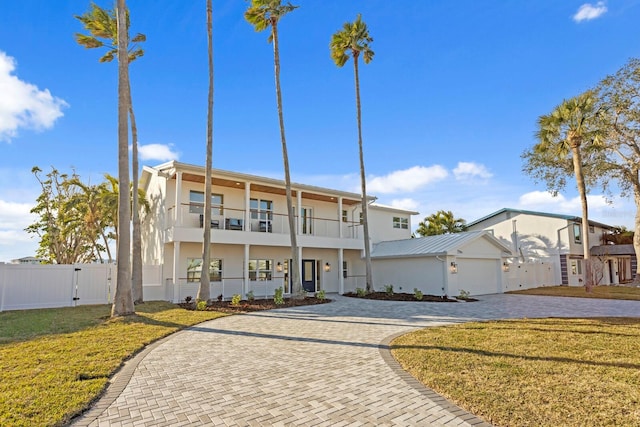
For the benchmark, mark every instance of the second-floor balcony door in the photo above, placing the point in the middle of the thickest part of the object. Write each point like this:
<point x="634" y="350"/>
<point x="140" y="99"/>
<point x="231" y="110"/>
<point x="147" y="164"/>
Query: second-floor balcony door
<point x="306" y="215"/>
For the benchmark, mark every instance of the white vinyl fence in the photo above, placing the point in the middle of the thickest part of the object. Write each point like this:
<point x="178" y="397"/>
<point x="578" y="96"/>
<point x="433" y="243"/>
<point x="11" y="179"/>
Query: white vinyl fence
<point x="530" y="275"/>
<point x="45" y="286"/>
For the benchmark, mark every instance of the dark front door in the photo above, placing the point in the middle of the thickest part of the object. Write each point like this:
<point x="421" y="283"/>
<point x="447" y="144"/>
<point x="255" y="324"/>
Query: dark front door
<point x="309" y="275"/>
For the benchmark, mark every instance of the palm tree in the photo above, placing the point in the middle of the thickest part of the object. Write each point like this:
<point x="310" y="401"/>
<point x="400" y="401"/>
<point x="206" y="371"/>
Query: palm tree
<point x="204" y="292"/>
<point x="263" y="14"/>
<point x="441" y="222"/>
<point x="563" y="133"/>
<point x="353" y="40"/>
<point x="103" y="31"/>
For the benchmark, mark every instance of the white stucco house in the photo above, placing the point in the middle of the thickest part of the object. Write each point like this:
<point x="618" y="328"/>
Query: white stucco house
<point x="475" y="262"/>
<point x="251" y="246"/>
<point x="551" y="244"/>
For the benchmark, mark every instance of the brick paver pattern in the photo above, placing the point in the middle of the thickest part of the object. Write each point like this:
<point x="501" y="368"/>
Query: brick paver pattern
<point x="320" y="365"/>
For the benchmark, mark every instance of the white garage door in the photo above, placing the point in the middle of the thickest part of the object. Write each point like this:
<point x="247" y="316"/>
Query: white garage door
<point x="478" y="276"/>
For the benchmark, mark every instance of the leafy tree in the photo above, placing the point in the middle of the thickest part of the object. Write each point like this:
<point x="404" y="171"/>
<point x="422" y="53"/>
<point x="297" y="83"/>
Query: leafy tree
<point x="352" y="41"/>
<point x="103" y="29"/>
<point x="573" y="126"/>
<point x="61" y="223"/>
<point x="619" y="236"/>
<point x="263" y="14"/>
<point x="441" y="222"/>
<point x="619" y="95"/>
<point x="204" y="291"/>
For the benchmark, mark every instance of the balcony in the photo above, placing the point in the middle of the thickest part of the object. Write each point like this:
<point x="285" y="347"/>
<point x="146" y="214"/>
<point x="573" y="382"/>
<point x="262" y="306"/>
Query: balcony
<point x="236" y="220"/>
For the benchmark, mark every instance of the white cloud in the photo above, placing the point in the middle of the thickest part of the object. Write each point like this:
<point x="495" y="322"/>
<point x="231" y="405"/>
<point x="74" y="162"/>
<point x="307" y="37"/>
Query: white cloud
<point x="469" y="170"/>
<point x="14" y="241"/>
<point x="406" y="203"/>
<point x="23" y="105"/>
<point x="587" y="11"/>
<point x="406" y="180"/>
<point x="545" y="201"/>
<point x="159" y="152"/>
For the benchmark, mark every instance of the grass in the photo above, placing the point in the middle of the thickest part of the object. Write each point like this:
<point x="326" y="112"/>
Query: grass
<point x="533" y="372"/>
<point x="605" y="292"/>
<point x="55" y="362"/>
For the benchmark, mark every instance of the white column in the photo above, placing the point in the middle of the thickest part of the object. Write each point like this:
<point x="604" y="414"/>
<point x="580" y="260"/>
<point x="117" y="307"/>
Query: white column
<point x="340" y="270"/>
<point x="247" y="206"/>
<point x="176" y="271"/>
<point x="297" y="214"/>
<point x="245" y="268"/>
<point x="178" y="199"/>
<point x="340" y="221"/>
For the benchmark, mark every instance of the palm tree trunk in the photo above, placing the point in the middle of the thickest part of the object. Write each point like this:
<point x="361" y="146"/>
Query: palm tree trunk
<point x="296" y="288"/>
<point x="123" y="299"/>
<point x="363" y="183"/>
<point x="204" y="292"/>
<point x="136" y="264"/>
<point x="636" y="236"/>
<point x="582" y="190"/>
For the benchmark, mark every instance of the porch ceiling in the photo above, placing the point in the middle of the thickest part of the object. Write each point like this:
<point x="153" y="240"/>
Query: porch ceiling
<point x="221" y="182"/>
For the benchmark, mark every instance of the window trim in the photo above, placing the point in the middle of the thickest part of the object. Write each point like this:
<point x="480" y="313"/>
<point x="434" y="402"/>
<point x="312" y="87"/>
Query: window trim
<point x="257" y="272"/>
<point x="400" y="223"/>
<point x="197" y="207"/>
<point x="577" y="233"/>
<point x="215" y="274"/>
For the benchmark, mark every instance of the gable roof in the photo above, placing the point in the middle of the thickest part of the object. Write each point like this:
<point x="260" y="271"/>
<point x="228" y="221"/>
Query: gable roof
<point x="612" y="250"/>
<point x="535" y="213"/>
<point x="443" y="244"/>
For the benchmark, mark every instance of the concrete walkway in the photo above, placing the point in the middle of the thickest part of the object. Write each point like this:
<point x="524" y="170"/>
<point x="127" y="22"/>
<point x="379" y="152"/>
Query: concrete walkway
<point x="321" y="365"/>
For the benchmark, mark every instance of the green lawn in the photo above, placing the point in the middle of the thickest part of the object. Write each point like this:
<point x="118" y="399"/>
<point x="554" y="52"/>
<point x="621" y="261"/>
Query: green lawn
<point x="533" y="372"/>
<point x="55" y="362"/>
<point x="606" y="292"/>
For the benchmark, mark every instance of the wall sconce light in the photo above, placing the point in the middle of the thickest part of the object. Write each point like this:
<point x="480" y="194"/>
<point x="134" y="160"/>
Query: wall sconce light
<point x="279" y="267"/>
<point x="505" y="266"/>
<point x="327" y="267"/>
<point x="453" y="267"/>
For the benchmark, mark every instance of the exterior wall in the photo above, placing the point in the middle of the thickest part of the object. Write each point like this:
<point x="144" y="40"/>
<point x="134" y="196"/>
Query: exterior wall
<point x="153" y="224"/>
<point x="381" y="225"/>
<point x="427" y="274"/>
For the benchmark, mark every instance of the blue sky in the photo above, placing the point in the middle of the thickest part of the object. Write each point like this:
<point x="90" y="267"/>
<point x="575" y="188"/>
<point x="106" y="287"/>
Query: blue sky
<point x="449" y="102"/>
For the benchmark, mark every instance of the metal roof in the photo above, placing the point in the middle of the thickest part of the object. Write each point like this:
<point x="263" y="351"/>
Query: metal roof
<point x="535" y="213"/>
<point x="613" y="250"/>
<point x="442" y="244"/>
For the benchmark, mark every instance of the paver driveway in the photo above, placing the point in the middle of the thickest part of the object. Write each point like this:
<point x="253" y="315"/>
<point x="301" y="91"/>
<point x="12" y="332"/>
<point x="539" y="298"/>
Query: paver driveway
<point x="322" y="365"/>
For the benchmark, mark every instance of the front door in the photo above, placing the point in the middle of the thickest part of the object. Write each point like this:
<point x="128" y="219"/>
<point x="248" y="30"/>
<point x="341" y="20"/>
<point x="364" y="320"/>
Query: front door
<point x="309" y="275"/>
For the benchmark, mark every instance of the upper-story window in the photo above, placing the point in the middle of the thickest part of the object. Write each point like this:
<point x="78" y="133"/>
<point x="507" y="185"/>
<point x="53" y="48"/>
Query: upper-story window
<point x="577" y="233"/>
<point x="261" y="209"/>
<point x="196" y="202"/>
<point x="399" y="222"/>
<point x="345" y="216"/>
<point x="361" y="218"/>
<point x="592" y="229"/>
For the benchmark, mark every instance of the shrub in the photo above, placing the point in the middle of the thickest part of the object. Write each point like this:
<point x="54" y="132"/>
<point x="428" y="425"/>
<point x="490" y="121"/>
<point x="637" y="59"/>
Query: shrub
<point x="250" y="296"/>
<point x="464" y="294"/>
<point x="201" y="305"/>
<point x="417" y="293"/>
<point x="361" y="292"/>
<point x="321" y="295"/>
<point x="235" y="299"/>
<point x="278" y="298"/>
<point x="188" y="299"/>
<point x="388" y="289"/>
<point x="220" y="297"/>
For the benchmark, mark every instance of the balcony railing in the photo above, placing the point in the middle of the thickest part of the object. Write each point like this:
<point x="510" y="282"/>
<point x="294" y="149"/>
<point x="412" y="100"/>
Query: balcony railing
<point x="222" y="218"/>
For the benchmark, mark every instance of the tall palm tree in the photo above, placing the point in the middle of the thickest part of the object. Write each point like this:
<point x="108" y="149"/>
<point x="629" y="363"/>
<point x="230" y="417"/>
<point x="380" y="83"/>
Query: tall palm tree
<point x="263" y="14"/>
<point x="204" y="292"/>
<point x="103" y="32"/>
<point x="441" y="222"/>
<point x="353" y="40"/>
<point x="565" y="132"/>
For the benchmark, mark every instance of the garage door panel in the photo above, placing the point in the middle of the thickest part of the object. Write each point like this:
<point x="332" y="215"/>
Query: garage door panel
<point x="478" y="276"/>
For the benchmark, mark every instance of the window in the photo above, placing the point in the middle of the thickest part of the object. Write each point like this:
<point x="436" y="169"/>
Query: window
<point x="400" y="222"/>
<point x="592" y="229"/>
<point x="345" y="269"/>
<point x="196" y="203"/>
<point x="194" y="267"/>
<point x="345" y="217"/>
<point x="261" y="209"/>
<point x="260" y="269"/>
<point x="576" y="267"/>
<point x="361" y="218"/>
<point x="577" y="234"/>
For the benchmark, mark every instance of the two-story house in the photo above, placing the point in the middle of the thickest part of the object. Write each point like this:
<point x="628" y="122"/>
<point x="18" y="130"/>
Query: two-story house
<point x="552" y="240"/>
<point x="251" y="246"/>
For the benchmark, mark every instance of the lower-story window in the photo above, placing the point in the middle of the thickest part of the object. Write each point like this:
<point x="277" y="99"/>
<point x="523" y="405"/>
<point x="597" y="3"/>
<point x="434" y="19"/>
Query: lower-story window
<point x="194" y="268"/>
<point x="260" y="269"/>
<point x="576" y="267"/>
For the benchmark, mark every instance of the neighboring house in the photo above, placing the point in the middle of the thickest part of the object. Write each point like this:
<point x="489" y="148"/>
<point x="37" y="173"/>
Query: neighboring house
<point x="251" y="247"/>
<point x="26" y="260"/>
<point x="616" y="263"/>
<point x="537" y="239"/>
<point x="445" y="264"/>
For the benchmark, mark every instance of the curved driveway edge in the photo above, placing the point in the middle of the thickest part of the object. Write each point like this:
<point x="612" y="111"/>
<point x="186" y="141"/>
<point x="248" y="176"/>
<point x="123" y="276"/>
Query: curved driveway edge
<point x="321" y="365"/>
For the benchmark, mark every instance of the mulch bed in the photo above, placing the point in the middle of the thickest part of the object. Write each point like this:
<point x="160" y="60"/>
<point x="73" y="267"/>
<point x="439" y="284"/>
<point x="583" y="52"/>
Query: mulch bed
<point x="256" y="305"/>
<point x="400" y="296"/>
